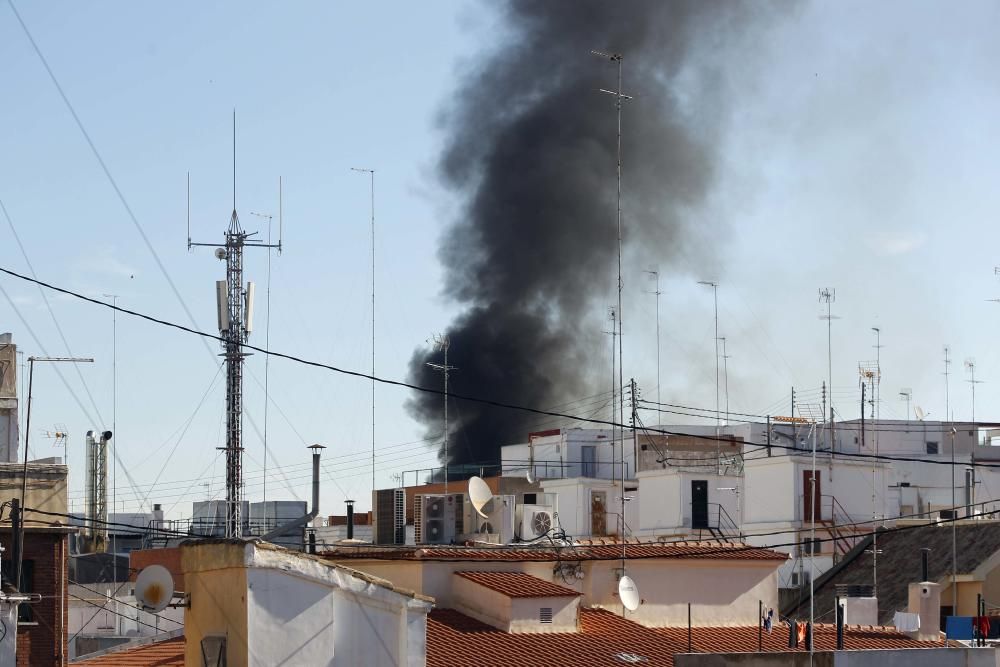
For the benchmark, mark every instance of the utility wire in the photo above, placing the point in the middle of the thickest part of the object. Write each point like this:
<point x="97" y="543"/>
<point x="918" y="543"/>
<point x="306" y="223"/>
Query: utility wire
<point x="440" y="392"/>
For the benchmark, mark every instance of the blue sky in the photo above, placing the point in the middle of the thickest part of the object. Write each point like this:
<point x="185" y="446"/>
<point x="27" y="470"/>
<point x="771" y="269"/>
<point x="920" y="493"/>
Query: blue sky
<point x="860" y="153"/>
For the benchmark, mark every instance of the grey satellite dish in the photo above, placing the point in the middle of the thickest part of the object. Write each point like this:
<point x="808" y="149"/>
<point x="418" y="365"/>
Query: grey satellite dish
<point x="154" y="588"/>
<point x="479" y="494"/>
<point x="629" y="593"/>
<point x="530" y="477"/>
<point x="220" y="253"/>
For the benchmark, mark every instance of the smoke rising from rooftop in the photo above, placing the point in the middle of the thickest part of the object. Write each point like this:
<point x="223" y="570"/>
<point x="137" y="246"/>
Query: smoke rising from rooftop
<point x="531" y="258"/>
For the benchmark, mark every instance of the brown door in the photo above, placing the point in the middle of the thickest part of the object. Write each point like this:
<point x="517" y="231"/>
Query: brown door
<point x="598" y="513"/>
<point x="811" y="495"/>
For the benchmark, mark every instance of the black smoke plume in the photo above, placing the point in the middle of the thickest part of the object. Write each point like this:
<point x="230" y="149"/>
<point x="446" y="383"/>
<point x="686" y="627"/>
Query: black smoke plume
<point x="531" y="258"/>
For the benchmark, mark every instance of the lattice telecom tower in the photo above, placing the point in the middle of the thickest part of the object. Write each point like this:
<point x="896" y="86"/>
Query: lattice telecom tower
<point x="235" y="320"/>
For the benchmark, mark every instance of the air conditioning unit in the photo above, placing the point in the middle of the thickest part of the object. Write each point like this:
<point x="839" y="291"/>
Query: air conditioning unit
<point x="497" y="527"/>
<point x="536" y="521"/>
<point x="437" y="519"/>
<point x="389" y="516"/>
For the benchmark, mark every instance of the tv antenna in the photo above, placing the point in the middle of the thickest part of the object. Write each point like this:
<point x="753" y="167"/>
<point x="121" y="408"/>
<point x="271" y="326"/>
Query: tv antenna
<point x="613" y="319"/>
<point x="725" y="375"/>
<point x="906" y="394"/>
<point x="715" y="300"/>
<point x="58" y="436"/>
<point x="655" y="275"/>
<point x="828" y="295"/>
<point x="234" y="304"/>
<point x="441" y="343"/>
<point x="970" y="368"/>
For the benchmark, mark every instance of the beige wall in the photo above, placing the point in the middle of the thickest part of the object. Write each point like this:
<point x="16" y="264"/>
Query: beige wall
<point x="967" y="596"/>
<point x="722" y="593"/>
<point x="46" y="490"/>
<point x="217" y="583"/>
<point x="525" y="613"/>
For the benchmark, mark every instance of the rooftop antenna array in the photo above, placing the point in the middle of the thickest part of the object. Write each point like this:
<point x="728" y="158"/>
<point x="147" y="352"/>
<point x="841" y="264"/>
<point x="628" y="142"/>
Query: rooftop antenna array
<point x="870" y="373"/>
<point x="725" y="375"/>
<point x="234" y="304"/>
<point x="441" y="342"/>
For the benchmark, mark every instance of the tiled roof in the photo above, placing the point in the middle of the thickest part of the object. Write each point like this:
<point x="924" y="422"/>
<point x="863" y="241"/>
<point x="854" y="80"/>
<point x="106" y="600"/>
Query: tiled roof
<point x="899" y="564"/>
<point x="518" y="584"/>
<point x="596" y="550"/>
<point x="166" y="653"/>
<point x="455" y="640"/>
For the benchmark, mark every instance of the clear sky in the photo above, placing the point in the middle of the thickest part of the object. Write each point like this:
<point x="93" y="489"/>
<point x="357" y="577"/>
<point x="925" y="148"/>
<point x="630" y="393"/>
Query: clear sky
<point x="859" y="154"/>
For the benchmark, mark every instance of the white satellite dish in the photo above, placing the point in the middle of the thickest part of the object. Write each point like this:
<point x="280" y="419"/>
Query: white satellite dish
<point x="629" y="593"/>
<point x="479" y="495"/>
<point x="919" y="412"/>
<point x="154" y="588"/>
<point x="530" y="477"/>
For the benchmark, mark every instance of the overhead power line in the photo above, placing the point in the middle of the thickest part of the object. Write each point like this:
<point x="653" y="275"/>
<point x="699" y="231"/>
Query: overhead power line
<point x="440" y="392"/>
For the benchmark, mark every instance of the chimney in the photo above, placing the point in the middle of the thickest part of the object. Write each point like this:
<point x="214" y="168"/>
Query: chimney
<point x="350" y="519"/>
<point x="923" y="564"/>
<point x="840" y="624"/>
<point x="925" y="600"/>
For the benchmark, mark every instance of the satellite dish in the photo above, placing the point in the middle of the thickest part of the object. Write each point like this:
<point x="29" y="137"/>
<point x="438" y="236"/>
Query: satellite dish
<point x="629" y="593"/>
<point x="530" y="477"/>
<point x="220" y="253"/>
<point x="154" y="588"/>
<point x="479" y="494"/>
<point x="919" y="412"/>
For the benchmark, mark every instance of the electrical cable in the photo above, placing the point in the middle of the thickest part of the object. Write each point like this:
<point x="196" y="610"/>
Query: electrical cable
<point x="440" y="392"/>
<point x="126" y="604"/>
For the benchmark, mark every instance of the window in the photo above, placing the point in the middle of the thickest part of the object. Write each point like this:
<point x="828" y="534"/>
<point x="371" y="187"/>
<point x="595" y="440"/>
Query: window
<point x="811" y="546"/>
<point x="589" y="455"/>
<point x="545" y="614"/>
<point x="932" y="447"/>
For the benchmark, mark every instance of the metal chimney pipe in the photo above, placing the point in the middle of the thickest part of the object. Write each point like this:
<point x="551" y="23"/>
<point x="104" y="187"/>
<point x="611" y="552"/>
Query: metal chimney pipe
<point x="350" y="519"/>
<point x="840" y="624"/>
<point x="303" y="520"/>
<point x="924" y="576"/>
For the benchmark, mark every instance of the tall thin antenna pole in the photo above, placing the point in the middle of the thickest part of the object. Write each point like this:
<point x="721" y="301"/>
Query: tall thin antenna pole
<point x="234" y="159"/>
<point x="114" y="423"/>
<point x="970" y="365"/>
<point x="656" y="276"/>
<point x="725" y="374"/>
<point x="718" y="411"/>
<point x="267" y="339"/>
<point x="947" y="383"/>
<point x="371" y="174"/>
<point x="443" y="342"/>
<point x="619" y="98"/>
<point x="614" y="394"/>
<point x="828" y="295"/>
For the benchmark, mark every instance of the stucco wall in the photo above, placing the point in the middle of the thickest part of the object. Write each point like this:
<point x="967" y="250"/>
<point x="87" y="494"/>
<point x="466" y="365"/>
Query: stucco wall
<point x="217" y="587"/>
<point x="46" y="490"/>
<point x="525" y="614"/>
<point x="290" y="619"/>
<point x="722" y="593"/>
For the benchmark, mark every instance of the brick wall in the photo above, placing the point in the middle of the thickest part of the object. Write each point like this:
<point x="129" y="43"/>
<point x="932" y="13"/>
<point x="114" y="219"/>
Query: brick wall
<point x="169" y="558"/>
<point x="44" y="642"/>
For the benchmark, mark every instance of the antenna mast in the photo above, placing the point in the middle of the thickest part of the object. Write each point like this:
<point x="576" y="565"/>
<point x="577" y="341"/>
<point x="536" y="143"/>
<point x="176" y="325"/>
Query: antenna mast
<point x="947" y="384"/>
<point x="235" y="320"/>
<point x="442" y="342"/>
<point x="655" y="274"/>
<point x="619" y="98"/>
<point x="970" y="366"/>
<point x="371" y="174"/>
<point x="828" y="295"/>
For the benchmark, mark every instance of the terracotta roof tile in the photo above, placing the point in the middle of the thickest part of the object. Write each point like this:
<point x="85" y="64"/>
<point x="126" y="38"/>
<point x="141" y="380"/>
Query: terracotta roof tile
<point x="166" y="653"/>
<point x="610" y="550"/>
<point x="455" y="640"/>
<point x="518" y="584"/>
